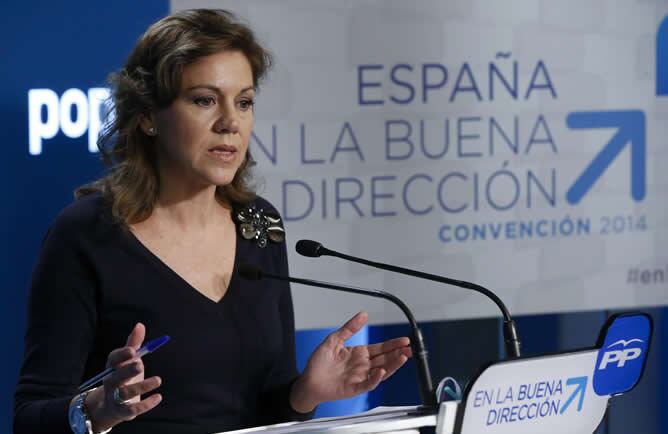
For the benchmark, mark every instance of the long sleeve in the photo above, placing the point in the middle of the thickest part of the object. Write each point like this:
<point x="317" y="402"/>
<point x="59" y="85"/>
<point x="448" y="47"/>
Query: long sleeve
<point x="60" y="326"/>
<point x="228" y="365"/>
<point x="276" y="394"/>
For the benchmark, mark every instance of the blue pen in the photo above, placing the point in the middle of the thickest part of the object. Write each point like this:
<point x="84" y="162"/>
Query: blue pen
<point x="144" y="350"/>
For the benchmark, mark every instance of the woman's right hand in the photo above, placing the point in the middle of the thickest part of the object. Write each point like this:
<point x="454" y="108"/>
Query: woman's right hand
<point x="103" y="410"/>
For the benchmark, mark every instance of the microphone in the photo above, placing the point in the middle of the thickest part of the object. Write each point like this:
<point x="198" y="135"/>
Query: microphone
<point x="314" y="249"/>
<point x="427" y="395"/>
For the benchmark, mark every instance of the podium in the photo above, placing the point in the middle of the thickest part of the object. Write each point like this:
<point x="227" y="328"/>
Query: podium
<point x="395" y="420"/>
<point x="559" y="393"/>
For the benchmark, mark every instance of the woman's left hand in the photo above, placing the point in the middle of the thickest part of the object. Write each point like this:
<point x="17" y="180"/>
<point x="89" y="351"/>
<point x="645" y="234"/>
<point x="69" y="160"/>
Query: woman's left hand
<point x="335" y="371"/>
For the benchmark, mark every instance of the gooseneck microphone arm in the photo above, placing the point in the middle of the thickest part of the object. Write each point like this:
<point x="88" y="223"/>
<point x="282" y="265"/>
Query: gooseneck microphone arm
<point x="427" y="394"/>
<point x="315" y="249"/>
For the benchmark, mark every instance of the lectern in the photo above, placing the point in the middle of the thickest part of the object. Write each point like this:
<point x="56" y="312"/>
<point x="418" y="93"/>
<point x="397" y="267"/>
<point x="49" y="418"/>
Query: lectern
<point x="558" y="393"/>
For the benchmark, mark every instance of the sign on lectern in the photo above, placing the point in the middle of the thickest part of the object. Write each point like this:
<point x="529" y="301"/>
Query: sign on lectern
<point x="559" y="393"/>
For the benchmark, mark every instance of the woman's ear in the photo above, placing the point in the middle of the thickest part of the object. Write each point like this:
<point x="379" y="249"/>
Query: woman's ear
<point x="147" y="125"/>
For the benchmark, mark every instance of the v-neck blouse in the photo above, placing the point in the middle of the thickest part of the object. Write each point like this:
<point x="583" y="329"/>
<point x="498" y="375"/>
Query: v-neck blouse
<point x="170" y="273"/>
<point x="228" y="364"/>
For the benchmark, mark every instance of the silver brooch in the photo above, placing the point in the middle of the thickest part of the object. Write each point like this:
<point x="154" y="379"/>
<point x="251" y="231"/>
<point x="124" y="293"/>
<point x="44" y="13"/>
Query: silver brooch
<point x="255" y="224"/>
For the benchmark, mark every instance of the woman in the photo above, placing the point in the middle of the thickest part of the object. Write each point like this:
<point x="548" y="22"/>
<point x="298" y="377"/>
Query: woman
<point x="152" y="248"/>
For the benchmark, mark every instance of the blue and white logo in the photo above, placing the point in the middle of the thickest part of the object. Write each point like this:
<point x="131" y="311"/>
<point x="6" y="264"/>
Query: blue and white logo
<point x="622" y="357"/>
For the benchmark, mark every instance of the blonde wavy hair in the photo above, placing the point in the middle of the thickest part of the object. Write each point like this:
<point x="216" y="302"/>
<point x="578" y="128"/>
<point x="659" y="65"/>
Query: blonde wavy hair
<point x="151" y="80"/>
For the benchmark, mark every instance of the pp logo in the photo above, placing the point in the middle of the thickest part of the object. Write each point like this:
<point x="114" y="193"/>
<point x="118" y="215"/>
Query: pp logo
<point x="621" y="359"/>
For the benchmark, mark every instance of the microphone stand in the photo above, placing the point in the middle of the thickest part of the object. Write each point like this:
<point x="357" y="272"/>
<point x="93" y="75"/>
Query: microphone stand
<point x="512" y="342"/>
<point x="427" y="394"/>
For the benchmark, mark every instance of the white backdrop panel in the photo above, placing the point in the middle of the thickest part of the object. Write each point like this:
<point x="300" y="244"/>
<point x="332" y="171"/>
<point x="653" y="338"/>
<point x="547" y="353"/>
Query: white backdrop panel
<point x="434" y="135"/>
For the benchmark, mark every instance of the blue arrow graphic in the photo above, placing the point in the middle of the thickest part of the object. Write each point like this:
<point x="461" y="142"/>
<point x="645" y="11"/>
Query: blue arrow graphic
<point x="630" y="126"/>
<point x="581" y="388"/>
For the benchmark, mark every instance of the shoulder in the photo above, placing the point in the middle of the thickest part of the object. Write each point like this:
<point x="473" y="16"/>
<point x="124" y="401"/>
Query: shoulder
<point x="89" y="213"/>
<point x="259" y="220"/>
<point x="84" y="211"/>
<point x="263" y="204"/>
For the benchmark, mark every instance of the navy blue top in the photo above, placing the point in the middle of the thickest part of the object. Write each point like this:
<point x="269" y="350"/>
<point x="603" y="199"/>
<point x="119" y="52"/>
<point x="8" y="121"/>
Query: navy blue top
<point x="228" y="365"/>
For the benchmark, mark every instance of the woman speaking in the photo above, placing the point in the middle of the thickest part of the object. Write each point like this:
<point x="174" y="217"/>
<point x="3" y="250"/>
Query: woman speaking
<point x="152" y="249"/>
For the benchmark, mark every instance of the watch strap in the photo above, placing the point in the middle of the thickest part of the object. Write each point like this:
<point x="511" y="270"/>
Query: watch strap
<point x="80" y="402"/>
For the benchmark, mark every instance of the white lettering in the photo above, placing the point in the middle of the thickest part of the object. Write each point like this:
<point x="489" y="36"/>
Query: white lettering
<point x="38" y="130"/>
<point x="98" y="98"/>
<point x="73" y="128"/>
<point x="619" y="356"/>
<point x="74" y="113"/>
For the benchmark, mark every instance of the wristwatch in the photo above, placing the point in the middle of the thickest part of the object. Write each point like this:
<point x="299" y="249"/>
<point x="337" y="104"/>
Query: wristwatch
<point x="78" y="416"/>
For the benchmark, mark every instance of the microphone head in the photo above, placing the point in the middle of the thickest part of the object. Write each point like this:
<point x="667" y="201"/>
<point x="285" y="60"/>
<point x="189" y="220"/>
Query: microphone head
<point x="312" y="249"/>
<point x="250" y="272"/>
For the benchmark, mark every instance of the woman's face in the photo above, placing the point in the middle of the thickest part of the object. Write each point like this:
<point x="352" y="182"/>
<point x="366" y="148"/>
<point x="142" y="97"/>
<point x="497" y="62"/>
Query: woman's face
<point x="203" y="135"/>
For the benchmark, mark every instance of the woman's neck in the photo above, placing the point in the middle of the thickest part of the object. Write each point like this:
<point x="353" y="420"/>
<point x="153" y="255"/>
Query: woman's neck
<point x="199" y="209"/>
<point x="188" y="205"/>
